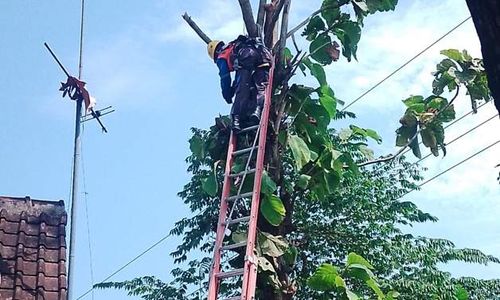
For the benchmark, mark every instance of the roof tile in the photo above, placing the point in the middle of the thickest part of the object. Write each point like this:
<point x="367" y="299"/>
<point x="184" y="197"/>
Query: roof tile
<point x="32" y="249"/>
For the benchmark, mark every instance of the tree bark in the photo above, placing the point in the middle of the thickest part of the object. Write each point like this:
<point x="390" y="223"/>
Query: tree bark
<point x="246" y="10"/>
<point x="486" y="17"/>
<point x="196" y="28"/>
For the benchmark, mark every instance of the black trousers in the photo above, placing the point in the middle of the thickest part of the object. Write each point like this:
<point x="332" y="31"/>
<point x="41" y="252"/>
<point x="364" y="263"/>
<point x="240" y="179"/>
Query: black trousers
<point x="251" y="82"/>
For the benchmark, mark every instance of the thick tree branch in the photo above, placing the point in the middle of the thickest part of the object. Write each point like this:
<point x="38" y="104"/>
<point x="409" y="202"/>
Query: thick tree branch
<point x="261" y="13"/>
<point x="196" y="28"/>
<point x="246" y="10"/>
<point x="284" y="29"/>
<point x="274" y="15"/>
<point x="395" y="155"/>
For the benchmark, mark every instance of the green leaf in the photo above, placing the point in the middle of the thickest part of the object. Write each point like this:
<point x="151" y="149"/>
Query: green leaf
<point x="300" y="151"/>
<point x="313" y="27"/>
<point x="354" y="258"/>
<point x="453" y="54"/>
<point x="381" y="5"/>
<point x="374" y="135"/>
<point x="374" y="286"/>
<point x="318" y="49"/>
<point x="273" y="209"/>
<point x="268" y="186"/>
<point x="360" y="272"/>
<point x="461" y="293"/>
<point x="413" y="100"/>
<point x="317" y="71"/>
<point x="339" y="282"/>
<point x="392" y="295"/>
<point x="303" y="181"/>
<point x="349" y="34"/>
<point x="290" y="256"/>
<point x="318" y="113"/>
<point x="350" y="295"/>
<point x="328" y="101"/>
<point x="196" y="146"/>
<point x="330" y="11"/>
<point x="210" y="185"/>
<point x="323" y="278"/>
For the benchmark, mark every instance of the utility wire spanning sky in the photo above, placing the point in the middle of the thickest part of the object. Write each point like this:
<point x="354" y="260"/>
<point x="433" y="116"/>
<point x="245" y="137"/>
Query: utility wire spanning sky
<point x="142" y="59"/>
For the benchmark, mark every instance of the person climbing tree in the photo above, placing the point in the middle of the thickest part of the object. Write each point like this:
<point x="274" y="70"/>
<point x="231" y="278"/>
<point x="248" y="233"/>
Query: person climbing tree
<point x="250" y="59"/>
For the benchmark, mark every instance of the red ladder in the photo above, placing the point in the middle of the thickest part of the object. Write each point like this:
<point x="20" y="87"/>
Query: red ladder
<point x="249" y="270"/>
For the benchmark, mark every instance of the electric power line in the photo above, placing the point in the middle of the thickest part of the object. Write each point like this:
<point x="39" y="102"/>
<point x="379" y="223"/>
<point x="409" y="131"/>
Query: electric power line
<point x="127" y="264"/>
<point x="461" y="136"/>
<point x="405" y="64"/>
<point x="451" y="168"/>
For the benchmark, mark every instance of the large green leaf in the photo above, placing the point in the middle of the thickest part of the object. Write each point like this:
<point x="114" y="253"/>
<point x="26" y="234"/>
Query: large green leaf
<point x="318" y="49"/>
<point x="330" y="11"/>
<point x="349" y="33"/>
<point x="300" y="151"/>
<point x="381" y="5"/>
<point x="273" y="209"/>
<point x="328" y="101"/>
<point x="319" y="114"/>
<point x="453" y="54"/>
<point x="315" y="25"/>
<point x="323" y="278"/>
<point x="209" y="184"/>
<point x="268" y="186"/>
<point x="303" y="181"/>
<point x="354" y="258"/>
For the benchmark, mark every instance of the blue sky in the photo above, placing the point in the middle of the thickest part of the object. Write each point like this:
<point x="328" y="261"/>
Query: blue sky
<point x="141" y="58"/>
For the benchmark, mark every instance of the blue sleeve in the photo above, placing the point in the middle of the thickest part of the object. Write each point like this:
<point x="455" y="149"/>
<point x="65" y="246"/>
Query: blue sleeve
<point x="225" y="80"/>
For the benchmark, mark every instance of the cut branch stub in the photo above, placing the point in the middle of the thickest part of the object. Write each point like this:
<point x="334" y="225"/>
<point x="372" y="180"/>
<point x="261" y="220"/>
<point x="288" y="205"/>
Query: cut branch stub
<point x="196" y="28"/>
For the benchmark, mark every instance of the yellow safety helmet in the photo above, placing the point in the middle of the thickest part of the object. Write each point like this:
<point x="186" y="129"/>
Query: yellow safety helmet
<point x="212" y="46"/>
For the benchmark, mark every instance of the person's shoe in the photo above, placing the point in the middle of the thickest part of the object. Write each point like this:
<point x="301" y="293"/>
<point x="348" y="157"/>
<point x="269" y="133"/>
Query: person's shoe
<point x="236" y="123"/>
<point x="255" y="117"/>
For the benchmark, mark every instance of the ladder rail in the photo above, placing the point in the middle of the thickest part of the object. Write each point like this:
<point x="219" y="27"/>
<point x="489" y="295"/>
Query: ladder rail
<point x="221" y="228"/>
<point x="250" y="267"/>
<point x="251" y="263"/>
<point x="222" y="224"/>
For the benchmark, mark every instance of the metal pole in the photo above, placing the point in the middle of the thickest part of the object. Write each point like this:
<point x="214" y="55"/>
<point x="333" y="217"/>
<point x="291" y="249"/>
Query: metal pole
<point x="76" y="160"/>
<point x="74" y="202"/>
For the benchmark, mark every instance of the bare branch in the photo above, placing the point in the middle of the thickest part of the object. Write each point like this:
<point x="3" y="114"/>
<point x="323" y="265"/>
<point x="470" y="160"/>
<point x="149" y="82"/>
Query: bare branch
<point x="284" y="29"/>
<point x="196" y="28"/>
<point x="261" y="13"/>
<point x="273" y="18"/>
<point x="395" y="155"/>
<point x="246" y="10"/>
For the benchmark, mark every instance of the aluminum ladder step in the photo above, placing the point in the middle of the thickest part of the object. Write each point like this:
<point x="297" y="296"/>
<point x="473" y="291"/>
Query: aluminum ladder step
<point x="233" y="298"/>
<point x="238" y="220"/>
<point x="232" y="273"/>
<point x="234" y="246"/>
<point x="248" y="172"/>
<point x="245" y="195"/>
<point x="245" y="151"/>
<point x="247" y="129"/>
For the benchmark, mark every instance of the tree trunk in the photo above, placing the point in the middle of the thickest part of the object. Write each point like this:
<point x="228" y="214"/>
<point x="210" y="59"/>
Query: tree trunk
<point x="486" y="16"/>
